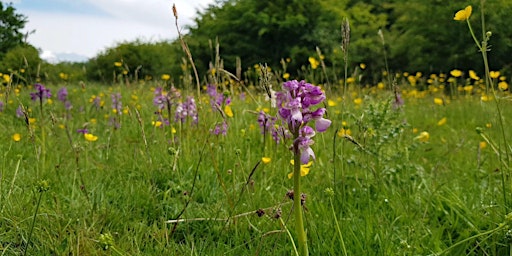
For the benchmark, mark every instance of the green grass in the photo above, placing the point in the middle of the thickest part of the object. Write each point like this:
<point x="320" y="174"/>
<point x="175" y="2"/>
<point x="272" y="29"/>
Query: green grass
<point x="393" y="195"/>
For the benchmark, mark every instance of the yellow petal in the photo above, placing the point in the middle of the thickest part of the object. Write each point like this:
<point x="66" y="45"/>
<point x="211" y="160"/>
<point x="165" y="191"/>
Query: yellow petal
<point x="266" y="160"/>
<point x="228" y="111"/>
<point x="442" y="121"/>
<point x="463" y="14"/>
<point x="16" y="137"/>
<point x="90" y="137"/>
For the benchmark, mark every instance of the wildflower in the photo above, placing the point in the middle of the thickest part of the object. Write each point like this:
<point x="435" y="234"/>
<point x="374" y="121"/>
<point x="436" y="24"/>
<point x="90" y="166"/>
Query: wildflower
<point x="313" y="62"/>
<point x="362" y="65"/>
<point x="62" y="95"/>
<point x="19" y="112"/>
<point x="494" y="74"/>
<point x="267" y="123"/>
<point x="463" y="14"/>
<point x="118" y="64"/>
<point x="16" y="137"/>
<point x="503" y="85"/>
<point x="166" y="77"/>
<point x="220" y="129"/>
<point x="381" y="85"/>
<point x="156" y="123"/>
<point x="482" y="145"/>
<point x="90" y="137"/>
<point x="423" y="137"/>
<point x="331" y="103"/>
<point x="485" y="97"/>
<point x="96" y="101"/>
<point x="188" y="108"/>
<point x="438" y="101"/>
<point x="304" y="169"/>
<point x="442" y="121"/>
<point x="117" y="105"/>
<point x="41" y="93"/>
<point x="266" y="160"/>
<point x="294" y="104"/>
<point x="83" y="131"/>
<point x="286" y="76"/>
<point x="456" y="73"/>
<point x="63" y="76"/>
<point x="472" y="75"/>
<point x="358" y="101"/>
<point x="344" y="132"/>
<point x="228" y="111"/>
<point x="398" y="100"/>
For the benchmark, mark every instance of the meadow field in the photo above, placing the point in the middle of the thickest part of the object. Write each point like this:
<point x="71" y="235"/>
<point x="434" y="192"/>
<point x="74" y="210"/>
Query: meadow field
<point x="406" y="164"/>
<point x="89" y="169"/>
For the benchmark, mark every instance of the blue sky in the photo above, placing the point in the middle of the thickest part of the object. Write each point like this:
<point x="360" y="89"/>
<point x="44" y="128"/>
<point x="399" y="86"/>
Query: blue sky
<point x="70" y="29"/>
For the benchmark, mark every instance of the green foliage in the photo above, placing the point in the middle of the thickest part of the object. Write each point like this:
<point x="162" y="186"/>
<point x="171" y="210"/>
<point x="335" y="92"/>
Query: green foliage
<point x="63" y="72"/>
<point x="418" y="35"/>
<point x="11" y="24"/>
<point x="24" y="62"/>
<point x="257" y="32"/>
<point x="139" y="61"/>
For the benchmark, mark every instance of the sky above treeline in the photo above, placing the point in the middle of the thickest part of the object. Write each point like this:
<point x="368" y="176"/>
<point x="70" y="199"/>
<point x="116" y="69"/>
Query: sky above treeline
<point x="75" y="30"/>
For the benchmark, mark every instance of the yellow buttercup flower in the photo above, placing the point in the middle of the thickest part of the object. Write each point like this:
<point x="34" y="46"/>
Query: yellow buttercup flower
<point x="286" y="76"/>
<point x="503" y="85"/>
<point x="266" y="160"/>
<point x="456" y="73"/>
<point x="442" y="121"/>
<point x="314" y="63"/>
<point x="494" y="74"/>
<point x="331" y="103"/>
<point x="344" y="132"/>
<point x="118" y="64"/>
<point x="438" y="101"/>
<point x="16" y="137"/>
<point x="166" y="77"/>
<point x="482" y="144"/>
<point x="423" y="137"/>
<point x="463" y="14"/>
<point x="156" y="123"/>
<point x="90" y="137"/>
<point x="472" y="75"/>
<point x="485" y="97"/>
<point x="304" y="169"/>
<point x="358" y="101"/>
<point x="228" y="111"/>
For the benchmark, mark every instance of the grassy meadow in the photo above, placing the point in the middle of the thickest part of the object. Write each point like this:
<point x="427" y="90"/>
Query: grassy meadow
<point x="430" y="176"/>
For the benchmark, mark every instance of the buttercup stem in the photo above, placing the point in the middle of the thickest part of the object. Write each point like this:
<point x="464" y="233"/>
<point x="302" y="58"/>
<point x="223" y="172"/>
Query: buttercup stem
<point x="297" y="207"/>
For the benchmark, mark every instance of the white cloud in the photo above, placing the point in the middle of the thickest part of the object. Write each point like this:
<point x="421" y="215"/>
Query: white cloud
<point x="126" y="20"/>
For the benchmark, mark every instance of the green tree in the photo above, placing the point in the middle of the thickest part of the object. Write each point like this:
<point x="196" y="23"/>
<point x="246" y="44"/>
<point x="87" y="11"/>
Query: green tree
<point x="11" y="24"/>
<point x="24" y="62"/>
<point x="139" y="60"/>
<point x="424" y="37"/>
<point x="257" y="32"/>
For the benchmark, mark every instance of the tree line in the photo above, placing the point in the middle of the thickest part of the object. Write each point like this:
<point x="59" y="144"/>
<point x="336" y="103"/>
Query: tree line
<point x="410" y="35"/>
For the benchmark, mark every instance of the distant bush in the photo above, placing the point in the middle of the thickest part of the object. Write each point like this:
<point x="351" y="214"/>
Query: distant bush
<point x="23" y="62"/>
<point x="136" y="60"/>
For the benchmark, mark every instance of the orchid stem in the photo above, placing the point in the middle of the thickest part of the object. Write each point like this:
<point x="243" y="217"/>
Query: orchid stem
<point x="297" y="208"/>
